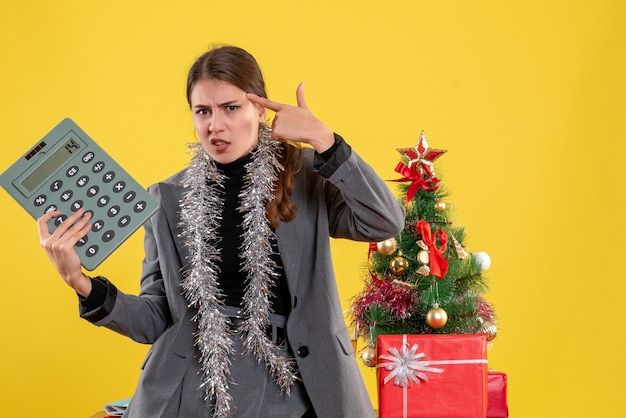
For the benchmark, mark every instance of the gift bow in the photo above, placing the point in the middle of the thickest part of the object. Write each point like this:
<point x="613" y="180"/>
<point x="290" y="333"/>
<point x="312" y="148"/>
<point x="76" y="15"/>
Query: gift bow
<point x="438" y="263"/>
<point x="417" y="181"/>
<point x="406" y="366"/>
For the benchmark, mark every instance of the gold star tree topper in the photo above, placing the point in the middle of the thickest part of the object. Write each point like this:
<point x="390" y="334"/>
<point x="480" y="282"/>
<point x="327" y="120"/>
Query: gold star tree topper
<point x="422" y="156"/>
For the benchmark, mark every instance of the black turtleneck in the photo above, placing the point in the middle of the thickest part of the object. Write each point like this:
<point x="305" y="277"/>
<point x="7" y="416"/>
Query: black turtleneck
<point x="232" y="280"/>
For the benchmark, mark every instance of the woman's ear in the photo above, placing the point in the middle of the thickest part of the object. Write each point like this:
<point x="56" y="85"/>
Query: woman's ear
<point x="262" y="114"/>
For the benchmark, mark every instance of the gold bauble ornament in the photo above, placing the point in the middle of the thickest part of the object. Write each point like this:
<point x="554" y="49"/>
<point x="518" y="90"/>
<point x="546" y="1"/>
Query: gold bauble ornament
<point x="368" y="356"/>
<point x="440" y="205"/>
<point x="436" y="317"/>
<point x="387" y="247"/>
<point x="398" y="265"/>
<point x="489" y="330"/>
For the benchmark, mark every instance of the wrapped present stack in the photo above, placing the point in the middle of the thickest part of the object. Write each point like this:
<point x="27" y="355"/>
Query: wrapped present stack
<point x="422" y="313"/>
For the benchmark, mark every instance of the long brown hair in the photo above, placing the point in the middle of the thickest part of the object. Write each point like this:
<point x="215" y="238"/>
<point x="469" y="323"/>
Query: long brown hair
<point x="239" y="68"/>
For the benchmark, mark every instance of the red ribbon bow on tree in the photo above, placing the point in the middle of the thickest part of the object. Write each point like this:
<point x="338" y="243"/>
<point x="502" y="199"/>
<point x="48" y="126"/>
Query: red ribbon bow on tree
<point x="438" y="263"/>
<point x="420" y="170"/>
<point x="417" y="181"/>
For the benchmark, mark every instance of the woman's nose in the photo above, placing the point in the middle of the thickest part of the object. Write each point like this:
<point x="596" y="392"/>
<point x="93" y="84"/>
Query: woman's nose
<point x="216" y="124"/>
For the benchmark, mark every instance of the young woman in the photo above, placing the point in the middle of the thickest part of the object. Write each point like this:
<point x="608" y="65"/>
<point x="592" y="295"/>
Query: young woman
<point x="238" y="296"/>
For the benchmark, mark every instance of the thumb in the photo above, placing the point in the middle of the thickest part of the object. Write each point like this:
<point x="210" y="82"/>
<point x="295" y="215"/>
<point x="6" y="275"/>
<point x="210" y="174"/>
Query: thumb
<point x="300" y="96"/>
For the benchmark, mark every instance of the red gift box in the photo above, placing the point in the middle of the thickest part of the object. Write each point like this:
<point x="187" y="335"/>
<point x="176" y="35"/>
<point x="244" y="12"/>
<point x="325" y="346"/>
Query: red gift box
<point x="432" y="376"/>
<point x="496" y="386"/>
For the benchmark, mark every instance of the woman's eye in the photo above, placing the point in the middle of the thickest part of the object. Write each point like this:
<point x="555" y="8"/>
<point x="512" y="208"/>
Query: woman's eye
<point x="230" y="108"/>
<point x="202" y="112"/>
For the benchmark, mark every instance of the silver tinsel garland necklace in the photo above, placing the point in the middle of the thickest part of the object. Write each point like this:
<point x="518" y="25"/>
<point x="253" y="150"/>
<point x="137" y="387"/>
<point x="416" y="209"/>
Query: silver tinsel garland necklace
<point x="201" y="213"/>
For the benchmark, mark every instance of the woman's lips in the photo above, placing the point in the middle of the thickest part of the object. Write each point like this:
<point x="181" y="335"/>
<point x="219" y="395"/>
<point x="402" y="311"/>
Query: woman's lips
<point x="219" y="144"/>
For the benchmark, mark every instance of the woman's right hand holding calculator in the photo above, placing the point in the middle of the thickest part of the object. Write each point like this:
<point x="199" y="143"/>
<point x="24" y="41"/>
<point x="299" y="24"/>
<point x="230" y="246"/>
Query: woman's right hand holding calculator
<point x="59" y="247"/>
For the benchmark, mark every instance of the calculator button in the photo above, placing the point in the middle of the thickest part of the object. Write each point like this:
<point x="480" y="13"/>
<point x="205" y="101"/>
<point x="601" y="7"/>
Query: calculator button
<point x="93" y="250"/>
<point x="108" y="235"/>
<point x="98" y="167"/>
<point x="88" y="156"/>
<point x="113" y="211"/>
<point x="82" y="241"/>
<point x="124" y="221"/>
<point x="72" y="171"/>
<point x="56" y="186"/>
<point x="40" y="200"/>
<point x="103" y="201"/>
<point x="82" y="181"/>
<point x="139" y="206"/>
<point x="50" y="208"/>
<point x="97" y="226"/>
<point x="119" y="186"/>
<point x="108" y="176"/>
<point x="59" y="220"/>
<point x="130" y="196"/>
<point x="93" y="190"/>
<point x="76" y="205"/>
<point x="90" y="212"/>
<point x="66" y="195"/>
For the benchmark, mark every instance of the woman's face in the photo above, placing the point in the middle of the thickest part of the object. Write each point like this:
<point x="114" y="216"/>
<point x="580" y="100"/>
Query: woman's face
<point x="227" y="122"/>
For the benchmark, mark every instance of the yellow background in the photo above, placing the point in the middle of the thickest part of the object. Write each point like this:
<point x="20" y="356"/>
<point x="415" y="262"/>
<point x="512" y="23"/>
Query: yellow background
<point x="527" y="96"/>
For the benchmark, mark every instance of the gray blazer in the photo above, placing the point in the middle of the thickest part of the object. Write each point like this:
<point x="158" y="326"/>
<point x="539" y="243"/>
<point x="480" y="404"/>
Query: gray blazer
<point x="352" y="202"/>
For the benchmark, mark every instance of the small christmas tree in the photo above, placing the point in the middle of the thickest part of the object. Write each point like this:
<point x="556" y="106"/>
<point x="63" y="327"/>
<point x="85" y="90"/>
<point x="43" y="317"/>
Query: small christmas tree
<point x="423" y="281"/>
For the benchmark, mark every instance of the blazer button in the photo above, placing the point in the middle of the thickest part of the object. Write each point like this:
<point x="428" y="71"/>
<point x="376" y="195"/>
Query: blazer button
<point x="303" y="351"/>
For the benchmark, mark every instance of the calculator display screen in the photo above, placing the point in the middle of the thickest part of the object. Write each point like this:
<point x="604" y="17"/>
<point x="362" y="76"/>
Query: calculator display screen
<point x="50" y="165"/>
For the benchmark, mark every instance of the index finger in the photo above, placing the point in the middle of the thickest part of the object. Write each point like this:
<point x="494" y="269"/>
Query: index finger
<point x="262" y="101"/>
<point x="42" y="223"/>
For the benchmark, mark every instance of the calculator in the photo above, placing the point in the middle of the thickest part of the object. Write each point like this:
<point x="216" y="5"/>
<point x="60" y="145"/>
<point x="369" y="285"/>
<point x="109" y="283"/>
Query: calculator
<point x="66" y="170"/>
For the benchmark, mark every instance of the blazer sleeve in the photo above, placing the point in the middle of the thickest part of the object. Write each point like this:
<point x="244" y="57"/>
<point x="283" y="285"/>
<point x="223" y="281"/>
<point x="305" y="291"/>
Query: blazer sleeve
<point x="360" y="205"/>
<point x="146" y="316"/>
